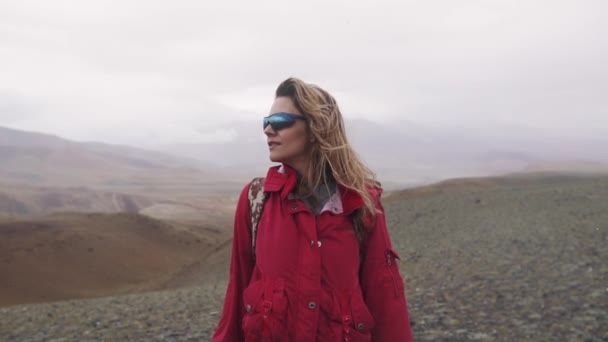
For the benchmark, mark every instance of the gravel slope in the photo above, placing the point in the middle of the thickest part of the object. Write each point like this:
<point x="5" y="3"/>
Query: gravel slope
<point x="503" y="259"/>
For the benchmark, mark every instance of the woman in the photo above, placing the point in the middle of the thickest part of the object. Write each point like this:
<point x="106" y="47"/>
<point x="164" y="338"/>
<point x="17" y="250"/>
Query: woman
<point x="323" y="268"/>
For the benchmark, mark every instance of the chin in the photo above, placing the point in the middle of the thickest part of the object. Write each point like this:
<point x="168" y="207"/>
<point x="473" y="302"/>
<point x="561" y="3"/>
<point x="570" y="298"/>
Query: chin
<point x="275" y="159"/>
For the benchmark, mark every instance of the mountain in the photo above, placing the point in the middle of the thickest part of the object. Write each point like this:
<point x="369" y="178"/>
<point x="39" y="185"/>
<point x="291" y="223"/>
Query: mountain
<point x="134" y="157"/>
<point x="37" y="159"/>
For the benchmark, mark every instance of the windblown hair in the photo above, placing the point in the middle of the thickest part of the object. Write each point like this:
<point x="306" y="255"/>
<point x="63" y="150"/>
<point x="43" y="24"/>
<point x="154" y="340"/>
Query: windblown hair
<point x="331" y="155"/>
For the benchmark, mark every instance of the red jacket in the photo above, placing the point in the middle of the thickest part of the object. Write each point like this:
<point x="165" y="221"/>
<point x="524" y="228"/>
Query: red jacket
<point x="306" y="284"/>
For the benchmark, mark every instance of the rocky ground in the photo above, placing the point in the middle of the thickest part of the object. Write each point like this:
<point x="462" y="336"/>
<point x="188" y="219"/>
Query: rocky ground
<point x="186" y="314"/>
<point x="512" y="259"/>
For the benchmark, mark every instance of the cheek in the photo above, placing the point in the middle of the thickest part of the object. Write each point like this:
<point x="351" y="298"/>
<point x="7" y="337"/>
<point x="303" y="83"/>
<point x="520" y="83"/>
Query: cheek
<point x="296" y="138"/>
<point x="299" y="142"/>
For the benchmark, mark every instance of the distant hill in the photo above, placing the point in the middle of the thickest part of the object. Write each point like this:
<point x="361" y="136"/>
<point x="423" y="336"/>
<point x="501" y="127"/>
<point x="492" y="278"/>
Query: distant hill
<point x="567" y="166"/>
<point x="46" y="143"/>
<point x="19" y="201"/>
<point x="44" y="160"/>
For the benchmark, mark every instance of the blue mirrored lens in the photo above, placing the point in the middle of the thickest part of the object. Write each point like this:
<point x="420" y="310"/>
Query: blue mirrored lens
<point x="281" y="120"/>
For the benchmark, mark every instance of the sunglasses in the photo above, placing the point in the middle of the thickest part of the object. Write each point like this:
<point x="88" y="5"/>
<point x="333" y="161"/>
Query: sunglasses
<point x="282" y="120"/>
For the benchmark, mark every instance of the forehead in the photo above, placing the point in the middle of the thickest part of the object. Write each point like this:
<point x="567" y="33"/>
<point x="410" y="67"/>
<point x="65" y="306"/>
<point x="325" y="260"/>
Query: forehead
<point x="283" y="104"/>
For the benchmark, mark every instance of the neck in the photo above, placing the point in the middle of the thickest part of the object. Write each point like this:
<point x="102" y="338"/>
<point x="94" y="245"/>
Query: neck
<point x="301" y="168"/>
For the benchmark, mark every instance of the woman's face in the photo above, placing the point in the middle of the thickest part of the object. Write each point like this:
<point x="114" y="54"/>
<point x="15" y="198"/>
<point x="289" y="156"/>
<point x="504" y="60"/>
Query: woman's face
<point x="288" y="145"/>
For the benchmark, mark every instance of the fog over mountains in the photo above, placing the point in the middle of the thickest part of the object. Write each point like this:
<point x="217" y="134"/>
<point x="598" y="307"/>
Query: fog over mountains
<point x="405" y="152"/>
<point x="402" y="153"/>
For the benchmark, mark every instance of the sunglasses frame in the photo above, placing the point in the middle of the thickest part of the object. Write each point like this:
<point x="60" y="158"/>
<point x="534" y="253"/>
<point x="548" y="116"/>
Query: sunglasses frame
<point x="277" y="126"/>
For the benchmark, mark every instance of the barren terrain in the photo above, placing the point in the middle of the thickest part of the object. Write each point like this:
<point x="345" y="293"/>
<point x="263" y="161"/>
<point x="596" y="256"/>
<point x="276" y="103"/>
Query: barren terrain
<point x="518" y="258"/>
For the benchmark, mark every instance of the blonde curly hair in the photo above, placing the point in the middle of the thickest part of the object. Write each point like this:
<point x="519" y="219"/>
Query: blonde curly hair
<point x="331" y="155"/>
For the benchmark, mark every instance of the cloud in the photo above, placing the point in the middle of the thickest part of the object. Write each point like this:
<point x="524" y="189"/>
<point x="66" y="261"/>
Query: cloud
<point x="89" y="69"/>
<point x="15" y="107"/>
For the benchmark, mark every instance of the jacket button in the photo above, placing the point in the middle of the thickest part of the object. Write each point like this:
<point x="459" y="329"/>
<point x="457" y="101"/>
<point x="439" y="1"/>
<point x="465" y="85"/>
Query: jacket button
<point x="360" y="326"/>
<point x="294" y="207"/>
<point x="319" y="244"/>
<point x="248" y="308"/>
<point x="312" y="305"/>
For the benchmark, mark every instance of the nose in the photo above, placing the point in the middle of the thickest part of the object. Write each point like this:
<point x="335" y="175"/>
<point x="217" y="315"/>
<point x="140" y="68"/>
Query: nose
<point x="269" y="131"/>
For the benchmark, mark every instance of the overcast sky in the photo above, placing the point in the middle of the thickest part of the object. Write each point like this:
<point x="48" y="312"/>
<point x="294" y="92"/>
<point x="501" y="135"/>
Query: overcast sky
<point x="147" y="72"/>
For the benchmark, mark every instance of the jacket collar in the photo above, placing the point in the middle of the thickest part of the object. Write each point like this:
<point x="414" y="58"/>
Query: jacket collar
<point x="283" y="179"/>
<point x="351" y="200"/>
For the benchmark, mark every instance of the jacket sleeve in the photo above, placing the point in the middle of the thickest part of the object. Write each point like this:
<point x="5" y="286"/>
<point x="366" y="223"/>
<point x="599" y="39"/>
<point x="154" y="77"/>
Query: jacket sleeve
<point x="383" y="286"/>
<point x="241" y="267"/>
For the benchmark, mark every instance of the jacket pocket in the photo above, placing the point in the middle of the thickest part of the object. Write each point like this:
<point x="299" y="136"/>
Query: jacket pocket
<point x="363" y="321"/>
<point x="345" y="317"/>
<point x="266" y="305"/>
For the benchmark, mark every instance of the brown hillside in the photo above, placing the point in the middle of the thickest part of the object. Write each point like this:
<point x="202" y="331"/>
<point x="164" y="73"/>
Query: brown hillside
<point x="83" y="255"/>
<point x="492" y="183"/>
